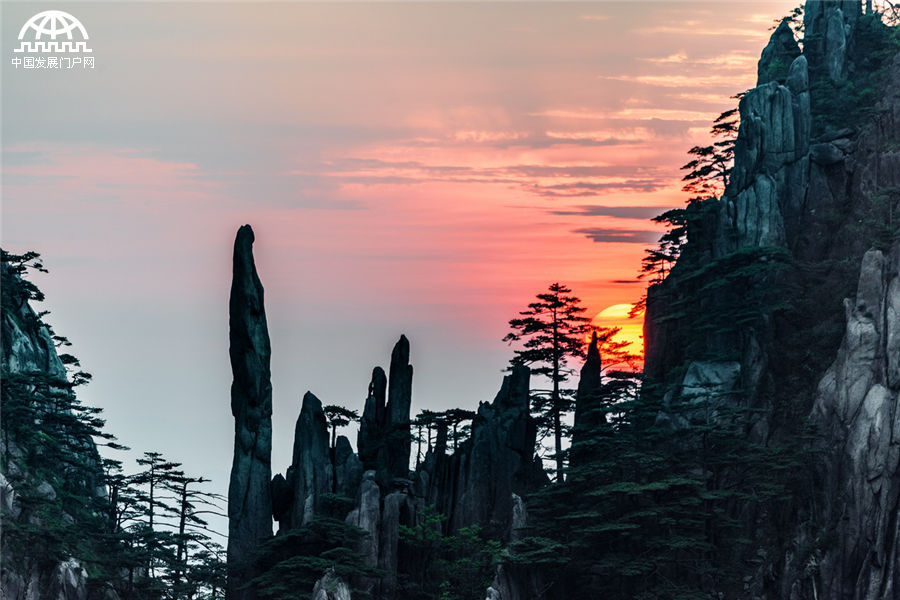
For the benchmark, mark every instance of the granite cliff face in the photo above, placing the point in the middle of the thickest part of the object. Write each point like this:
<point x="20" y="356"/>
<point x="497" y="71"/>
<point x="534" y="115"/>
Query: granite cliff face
<point x="858" y="409"/>
<point x="815" y="185"/>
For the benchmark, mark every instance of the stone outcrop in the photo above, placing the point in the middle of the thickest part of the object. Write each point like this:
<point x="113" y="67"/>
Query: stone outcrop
<point x="331" y="587"/>
<point x="759" y="207"/>
<point x="367" y="516"/>
<point x="829" y="32"/>
<point x="816" y="187"/>
<point x="348" y="469"/>
<point x="477" y="483"/>
<point x="778" y="55"/>
<point x="249" y="492"/>
<point x="484" y="482"/>
<point x="588" y="400"/>
<point x="372" y="421"/>
<point x="311" y="474"/>
<point x="398" y="439"/>
<point x="384" y="438"/>
<point x="515" y="583"/>
<point x="858" y="409"/>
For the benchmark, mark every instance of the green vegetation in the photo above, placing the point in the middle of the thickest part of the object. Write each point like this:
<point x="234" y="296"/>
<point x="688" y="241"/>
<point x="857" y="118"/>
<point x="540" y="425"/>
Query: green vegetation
<point x="445" y="567"/>
<point x="146" y="537"/>
<point x="848" y="101"/>
<point x="707" y="175"/>
<point x="455" y="424"/>
<point x="291" y="562"/>
<point x="658" y="511"/>
<point x="338" y="416"/>
<point x="553" y="330"/>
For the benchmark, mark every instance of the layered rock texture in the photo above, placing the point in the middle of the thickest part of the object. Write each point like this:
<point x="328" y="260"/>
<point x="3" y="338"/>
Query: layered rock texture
<point x="810" y="209"/>
<point x="249" y="494"/>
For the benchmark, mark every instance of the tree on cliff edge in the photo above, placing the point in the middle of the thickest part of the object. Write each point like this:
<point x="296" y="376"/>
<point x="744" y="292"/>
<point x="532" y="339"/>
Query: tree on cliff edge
<point x="553" y="330"/>
<point x="338" y="416"/>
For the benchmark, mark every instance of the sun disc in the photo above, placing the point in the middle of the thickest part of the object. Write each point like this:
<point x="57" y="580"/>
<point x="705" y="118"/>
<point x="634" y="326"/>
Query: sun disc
<point x="631" y="329"/>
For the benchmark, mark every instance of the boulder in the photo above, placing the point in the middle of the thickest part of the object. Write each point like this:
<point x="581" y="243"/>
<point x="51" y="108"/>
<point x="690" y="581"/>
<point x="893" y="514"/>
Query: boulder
<point x="389" y="538"/>
<point x="495" y="464"/>
<point x="331" y="587"/>
<point x="348" y="469"/>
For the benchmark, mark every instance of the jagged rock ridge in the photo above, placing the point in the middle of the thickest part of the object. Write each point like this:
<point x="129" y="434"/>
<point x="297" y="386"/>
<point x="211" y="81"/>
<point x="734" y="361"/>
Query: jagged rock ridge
<point x="814" y="185"/>
<point x="484" y="482"/>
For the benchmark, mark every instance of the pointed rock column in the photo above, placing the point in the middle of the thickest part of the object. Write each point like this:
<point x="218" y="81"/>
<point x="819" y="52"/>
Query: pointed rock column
<point x="370" y="426"/>
<point x="249" y="496"/>
<point x="311" y="470"/>
<point x="398" y="406"/>
<point x="495" y="464"/>
<point x="588" y="400"/>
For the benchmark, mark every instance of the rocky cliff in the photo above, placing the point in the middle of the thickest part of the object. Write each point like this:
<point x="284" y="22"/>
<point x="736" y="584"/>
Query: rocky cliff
<point x="33" y="497"/>
<point x="754" y="319"/>
<point x="754" y="311"/>
<point x="857" y="407"/>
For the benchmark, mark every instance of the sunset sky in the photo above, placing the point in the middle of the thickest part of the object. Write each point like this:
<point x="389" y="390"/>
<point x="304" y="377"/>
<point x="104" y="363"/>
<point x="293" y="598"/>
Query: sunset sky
<point x="417" y="168"/>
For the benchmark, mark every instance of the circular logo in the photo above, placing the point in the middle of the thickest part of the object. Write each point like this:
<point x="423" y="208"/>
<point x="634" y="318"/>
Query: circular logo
<point x="53" y="24"/>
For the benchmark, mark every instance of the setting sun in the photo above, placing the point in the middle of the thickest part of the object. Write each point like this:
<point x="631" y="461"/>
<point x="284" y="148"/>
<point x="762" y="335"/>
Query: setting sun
<point x="631" y="328"/>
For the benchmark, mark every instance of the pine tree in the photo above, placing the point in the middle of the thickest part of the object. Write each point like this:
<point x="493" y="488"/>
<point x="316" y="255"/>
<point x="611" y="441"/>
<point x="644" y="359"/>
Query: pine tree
<point x="656" y="509"/>
<point x="552" y="330"/>
<point x="48" y="448"/>
<point x="708" y="174"/>
<point x="48" y="451"/>
<point x="435" y="566"/>
<point x="338" y="416"/>
<point x="193" y="530"/>
<point x="290" y="563"/>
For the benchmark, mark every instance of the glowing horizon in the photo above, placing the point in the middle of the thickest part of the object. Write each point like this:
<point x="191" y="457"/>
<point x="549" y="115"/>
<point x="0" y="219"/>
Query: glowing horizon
<point x="408" y="168"/>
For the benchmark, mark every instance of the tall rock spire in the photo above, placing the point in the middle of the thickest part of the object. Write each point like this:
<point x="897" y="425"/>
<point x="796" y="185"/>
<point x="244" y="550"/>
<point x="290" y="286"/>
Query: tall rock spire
<point x="249" y="496"/>
<point x="398" y="406"/>
<point x="372" y="421"/>
<point x="588" y="401"/>
<point x="311" y="471"/>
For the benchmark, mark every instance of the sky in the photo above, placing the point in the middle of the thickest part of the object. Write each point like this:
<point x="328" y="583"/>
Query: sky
<point x="417" y="168"/>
